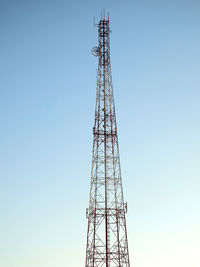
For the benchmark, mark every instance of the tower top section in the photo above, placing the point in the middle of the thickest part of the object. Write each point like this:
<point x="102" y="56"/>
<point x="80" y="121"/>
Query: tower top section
<point x="104" y="17"/>
<point x="102" y="51"/>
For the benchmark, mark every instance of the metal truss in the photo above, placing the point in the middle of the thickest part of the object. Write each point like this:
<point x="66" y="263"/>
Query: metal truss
<point x="107" y="244"/>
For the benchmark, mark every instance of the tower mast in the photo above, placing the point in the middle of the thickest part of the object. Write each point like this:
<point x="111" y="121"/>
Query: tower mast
<point x="107" y="244"/>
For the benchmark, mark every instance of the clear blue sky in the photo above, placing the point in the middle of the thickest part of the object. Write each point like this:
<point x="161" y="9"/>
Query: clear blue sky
<point x="47" y="100"/>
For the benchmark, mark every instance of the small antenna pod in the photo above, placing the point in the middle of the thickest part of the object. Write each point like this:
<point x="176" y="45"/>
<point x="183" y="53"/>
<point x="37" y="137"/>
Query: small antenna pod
<point x="95" y="51"/>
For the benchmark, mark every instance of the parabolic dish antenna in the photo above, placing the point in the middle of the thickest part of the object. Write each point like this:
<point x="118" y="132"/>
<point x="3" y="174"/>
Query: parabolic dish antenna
<point x="96" y="51"/>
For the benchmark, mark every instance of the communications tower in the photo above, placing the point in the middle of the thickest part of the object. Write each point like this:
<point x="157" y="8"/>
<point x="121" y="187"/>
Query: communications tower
<point x="107" y="244"/>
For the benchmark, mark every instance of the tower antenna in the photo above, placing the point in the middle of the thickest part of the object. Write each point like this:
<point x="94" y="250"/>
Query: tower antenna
<point x="107" y="244"/>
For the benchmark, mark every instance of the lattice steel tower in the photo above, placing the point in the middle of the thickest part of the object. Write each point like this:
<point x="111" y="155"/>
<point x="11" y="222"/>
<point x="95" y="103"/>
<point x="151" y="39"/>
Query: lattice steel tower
<point x="107" y="244"/>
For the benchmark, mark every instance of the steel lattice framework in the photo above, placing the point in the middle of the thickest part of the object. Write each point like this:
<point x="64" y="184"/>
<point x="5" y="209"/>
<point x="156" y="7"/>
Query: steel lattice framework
<point x="107" y="244"/>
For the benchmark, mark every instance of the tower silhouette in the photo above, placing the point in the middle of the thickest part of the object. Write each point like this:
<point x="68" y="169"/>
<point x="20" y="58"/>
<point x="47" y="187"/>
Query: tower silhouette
<point x="107" y="244"/>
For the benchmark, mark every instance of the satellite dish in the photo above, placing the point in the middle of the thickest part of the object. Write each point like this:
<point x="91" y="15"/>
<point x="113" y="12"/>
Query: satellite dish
<point x="96" y="51"/>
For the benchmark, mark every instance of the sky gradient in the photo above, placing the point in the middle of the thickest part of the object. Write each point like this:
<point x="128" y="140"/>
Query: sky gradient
<point x="47" y="101"/>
